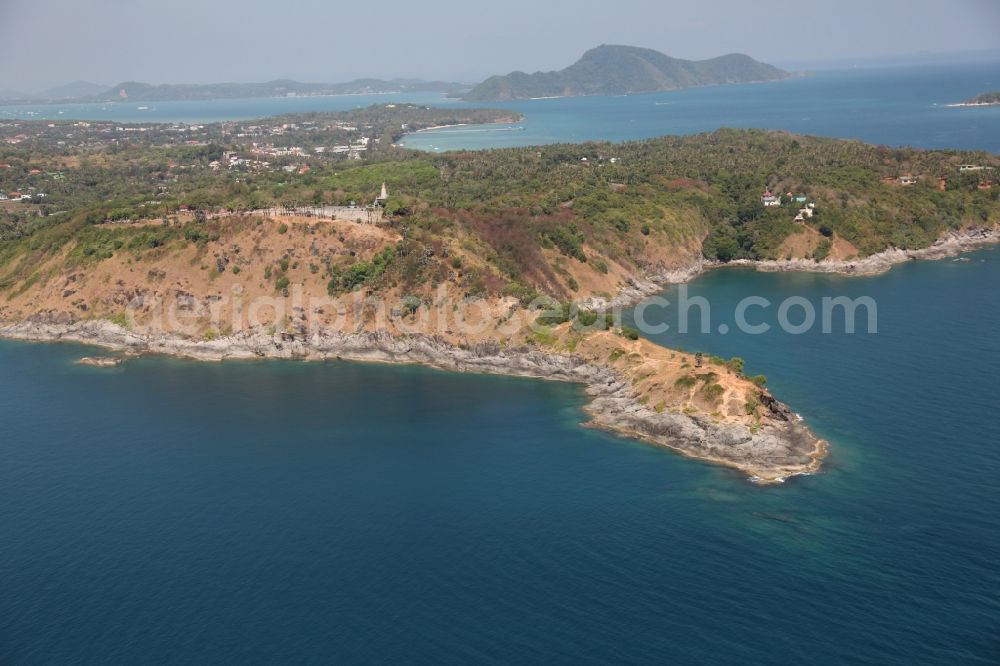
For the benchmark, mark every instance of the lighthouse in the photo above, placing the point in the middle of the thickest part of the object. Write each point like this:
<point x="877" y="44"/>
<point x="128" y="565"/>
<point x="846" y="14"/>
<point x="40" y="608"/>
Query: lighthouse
<point x="383" y="195"/>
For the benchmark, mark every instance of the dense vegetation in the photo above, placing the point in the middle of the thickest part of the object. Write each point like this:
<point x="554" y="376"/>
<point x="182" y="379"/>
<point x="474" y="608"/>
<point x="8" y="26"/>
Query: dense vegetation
<point x="619" y="70"/>
<point x="512" y="210"/>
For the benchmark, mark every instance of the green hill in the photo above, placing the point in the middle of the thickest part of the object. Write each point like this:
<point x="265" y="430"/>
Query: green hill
<point x="618" y="70"/>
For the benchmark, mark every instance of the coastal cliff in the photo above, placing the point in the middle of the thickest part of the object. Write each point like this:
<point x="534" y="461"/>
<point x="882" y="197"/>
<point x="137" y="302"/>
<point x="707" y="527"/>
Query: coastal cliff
<point x="950" y="244"/>
<point x="637" y="388"/>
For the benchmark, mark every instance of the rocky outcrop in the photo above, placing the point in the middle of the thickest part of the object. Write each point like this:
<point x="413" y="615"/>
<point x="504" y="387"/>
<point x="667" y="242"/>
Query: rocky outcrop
<point x="949" y="245"/>
<point x="781" y="447"/>
<point x="101" y="361"/>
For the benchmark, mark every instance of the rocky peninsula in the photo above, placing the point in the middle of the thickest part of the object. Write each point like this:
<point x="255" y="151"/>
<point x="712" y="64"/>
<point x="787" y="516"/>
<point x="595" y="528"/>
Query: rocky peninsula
<point x="769" y="446"/>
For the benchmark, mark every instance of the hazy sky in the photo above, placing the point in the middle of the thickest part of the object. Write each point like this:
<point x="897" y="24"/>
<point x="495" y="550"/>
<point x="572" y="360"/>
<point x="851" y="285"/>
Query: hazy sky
<point x="46" y="42"/>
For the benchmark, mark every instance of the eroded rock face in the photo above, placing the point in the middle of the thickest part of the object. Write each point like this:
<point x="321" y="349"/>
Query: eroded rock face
<point x="777" y="449"/>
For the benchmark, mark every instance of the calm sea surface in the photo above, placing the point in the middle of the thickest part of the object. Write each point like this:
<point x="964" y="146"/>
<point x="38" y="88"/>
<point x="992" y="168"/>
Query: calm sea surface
<point x="173" y="511"/>
<point x="895" y="106"/>
<point x="901" y="106"/>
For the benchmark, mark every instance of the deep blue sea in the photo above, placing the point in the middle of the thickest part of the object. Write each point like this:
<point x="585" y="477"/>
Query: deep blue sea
<point x="172" y="511"/>
<point x="895" y="106"/>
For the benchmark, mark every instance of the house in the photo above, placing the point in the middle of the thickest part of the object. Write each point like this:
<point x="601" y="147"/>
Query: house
<point x="3" y="197"/>
<point x="807" y="212"/>
<point x="800" y="198"/>
<point x="969" y="167"/>
<point x="769" y="199"/>
<point x="799" y="218"/>
<point x="985" y="185"/>
<point x="907" y="180"/>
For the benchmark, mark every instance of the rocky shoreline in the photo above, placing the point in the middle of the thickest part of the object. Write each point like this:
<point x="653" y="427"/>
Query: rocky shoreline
<point x="949" y="245"/>
<point x="780" y="448"/>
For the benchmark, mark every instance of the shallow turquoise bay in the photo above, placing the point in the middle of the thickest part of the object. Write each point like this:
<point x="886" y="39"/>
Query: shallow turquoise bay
<point x="177" y="511"/>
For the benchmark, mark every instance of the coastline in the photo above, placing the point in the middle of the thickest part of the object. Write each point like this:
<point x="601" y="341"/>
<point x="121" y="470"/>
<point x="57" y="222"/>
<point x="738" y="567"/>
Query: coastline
<point x="960" y="105"/>
<point x="781" y="448"/>
<point x="951" y="244"/>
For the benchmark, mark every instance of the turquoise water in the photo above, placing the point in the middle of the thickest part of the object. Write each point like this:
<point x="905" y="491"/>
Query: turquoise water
<point x="899" y="106"/>
<point x="170" y="511"/>
<point x="894" y="106"/>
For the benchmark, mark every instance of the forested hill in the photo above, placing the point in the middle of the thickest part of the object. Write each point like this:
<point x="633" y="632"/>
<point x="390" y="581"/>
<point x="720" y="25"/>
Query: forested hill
<point x="568" y="220"/>
<point x="618" y="70"/>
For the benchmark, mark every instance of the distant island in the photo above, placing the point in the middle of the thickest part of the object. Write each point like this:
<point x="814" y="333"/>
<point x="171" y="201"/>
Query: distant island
<point x="986" y="99"/>
<point x="619" y="70"/>
<point x="135" y="91"/>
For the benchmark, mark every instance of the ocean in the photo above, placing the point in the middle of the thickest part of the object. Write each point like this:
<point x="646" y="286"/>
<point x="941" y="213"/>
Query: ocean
<point x="272" y="511"/>
<point x="174" y="511"/>
<point x="895" y="106"/>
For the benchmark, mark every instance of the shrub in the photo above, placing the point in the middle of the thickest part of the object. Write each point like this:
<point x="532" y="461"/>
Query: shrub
<point x="713" y="391"/>
<point x="121" y="319"/>
<point x="282" y="228"/>
<point x="281" y="283"/>
<point x="822" y="250"/>
<point x="630" y="333"/>
<point x="687" y="381"/>
<point x="524" y="294"/>
<point x="759" y="380"/>
<point x="555" y="314"/>
<point x="568" y="240"/>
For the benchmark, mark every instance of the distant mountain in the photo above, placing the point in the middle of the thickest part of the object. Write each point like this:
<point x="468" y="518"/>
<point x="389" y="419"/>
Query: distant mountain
<point x="73" y="90"/>
<point x="144" y="92"/>
<point x="618" y="70"/>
